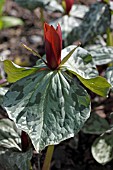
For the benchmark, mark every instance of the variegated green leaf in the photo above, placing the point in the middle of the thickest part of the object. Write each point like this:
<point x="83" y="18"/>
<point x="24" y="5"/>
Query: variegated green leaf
<point x="80" y="62"/>
<point x="66" y="58"/>
<point x="11" y="156"/>
<point x="15" y="72"/>
<point x="3" y="91"/>
<point x="102" y="148"/>
<point x="102" y="55"/>
<point x="96" y="125"/>
<point x="49" y="106"/>
<point x="95" y="22"/>
<point x="68" y="22"/>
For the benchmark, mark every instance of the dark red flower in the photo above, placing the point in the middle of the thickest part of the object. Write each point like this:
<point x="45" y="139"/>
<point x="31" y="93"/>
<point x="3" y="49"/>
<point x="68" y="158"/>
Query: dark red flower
<point x="68" y="5"/>
<point x="53" y="45"/>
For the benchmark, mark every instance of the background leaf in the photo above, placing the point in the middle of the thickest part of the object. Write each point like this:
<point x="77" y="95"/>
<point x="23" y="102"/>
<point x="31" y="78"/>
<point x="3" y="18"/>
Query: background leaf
<point x="102" y="55"/>
<point x="68" y="23"/>
<point x="11" y="156"/>
<point x="9" y="21"/>
<point x="95" y="125"/>
<point x="98" y="19"/>
<point x="102" y="148"/>
<point x="52" y="107"/>
<point x="32" y="4"/>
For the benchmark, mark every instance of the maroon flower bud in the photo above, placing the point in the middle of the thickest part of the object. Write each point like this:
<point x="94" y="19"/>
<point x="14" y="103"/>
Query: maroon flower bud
<point x="53" y="45"/>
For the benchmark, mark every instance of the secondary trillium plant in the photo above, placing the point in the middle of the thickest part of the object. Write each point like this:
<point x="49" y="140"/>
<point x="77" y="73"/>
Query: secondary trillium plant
<point x="67" y="5"/>
<point x="47" y="101"/>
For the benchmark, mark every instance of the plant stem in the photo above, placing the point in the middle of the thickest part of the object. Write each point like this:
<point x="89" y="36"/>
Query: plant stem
<point x="42" y="17"/>
<point x="39" y="161"/>
<point x="49" y="153"/>
<point x="109" y="37"/>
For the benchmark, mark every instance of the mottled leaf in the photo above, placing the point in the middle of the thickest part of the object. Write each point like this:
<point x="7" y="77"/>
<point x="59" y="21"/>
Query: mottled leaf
<point x="95" y="125"/>
<point x="9" y="135"/>
<point x="11" y="156"/>
<point x="95" y="22"/>
<point x="15" y="72"/>
<point x="68" y="22"/>
<point x="3" y="91"/>
<point x="102" y="55"/>
<point x="102" y="148"/>
<point x="66" y="58"/>
<point x="15" y="160"/>
<point x="79" y="10"/>
<point x="49" y="106"/>
<point x="54" y="6"/>
<point x="80" y="62"/>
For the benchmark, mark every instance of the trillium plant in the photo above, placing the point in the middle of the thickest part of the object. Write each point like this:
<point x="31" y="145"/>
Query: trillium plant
<point x="67" y="5"/>
<point x="48" y="101"/>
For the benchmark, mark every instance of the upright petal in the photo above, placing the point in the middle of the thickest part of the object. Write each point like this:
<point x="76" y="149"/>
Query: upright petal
<point x="53" y="45"/>
<point x="69" y="4"/>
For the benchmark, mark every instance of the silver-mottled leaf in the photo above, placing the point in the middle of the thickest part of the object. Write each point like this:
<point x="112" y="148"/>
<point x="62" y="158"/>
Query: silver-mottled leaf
<point x="68" y="22"/>
<point x="102" y="55"/>
<point x="9" y="135"/>
<point x="3" y="91"/>
<point x="79" y="11"/>
<point x="102" y="148"/>
<point x="11" y="156"/>
<point x="11" y="159"/>
<point x="49" y="106"/>
<point x="80" y="62"/>
<point x="54" y="6"/>
<point x="95" y="22"/>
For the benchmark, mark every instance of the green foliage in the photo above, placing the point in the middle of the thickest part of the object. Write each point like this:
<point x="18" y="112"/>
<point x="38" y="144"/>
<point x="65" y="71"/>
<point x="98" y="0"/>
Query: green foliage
<point x="2" y="2"/>
<point x="11" y="155"/>
<point x="9" y="21"/>
<point x="52" y="107"/>
<point x="98" y="85"/>
<point x="15" y="72"/>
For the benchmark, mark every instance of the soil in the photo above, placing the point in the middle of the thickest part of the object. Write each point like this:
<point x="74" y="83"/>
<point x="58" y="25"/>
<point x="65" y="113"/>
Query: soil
<point x="74" y="153"/>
